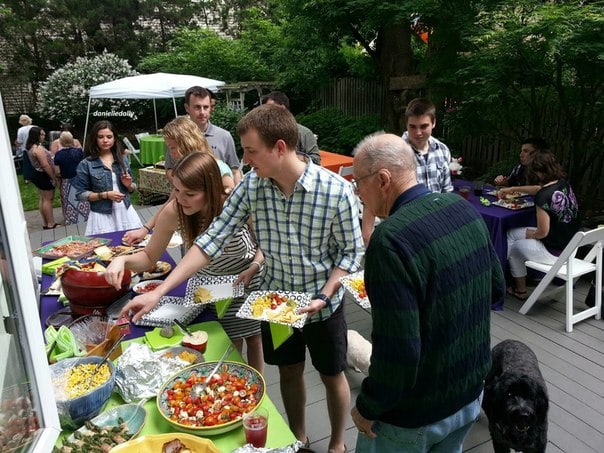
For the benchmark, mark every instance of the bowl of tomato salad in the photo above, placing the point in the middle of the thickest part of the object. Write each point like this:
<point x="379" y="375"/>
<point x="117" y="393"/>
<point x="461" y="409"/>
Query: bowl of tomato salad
<point x="234" y="389"/>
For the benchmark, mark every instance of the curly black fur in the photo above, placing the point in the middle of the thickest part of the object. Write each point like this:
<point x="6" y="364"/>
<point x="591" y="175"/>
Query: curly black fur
<point x="515" y="399"/>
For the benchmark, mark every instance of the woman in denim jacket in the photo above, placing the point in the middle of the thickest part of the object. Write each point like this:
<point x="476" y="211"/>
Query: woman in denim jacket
<point x="105" y="180"/>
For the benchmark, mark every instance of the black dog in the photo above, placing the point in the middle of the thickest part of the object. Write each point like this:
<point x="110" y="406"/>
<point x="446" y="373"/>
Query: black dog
<point x="515" y="399"/>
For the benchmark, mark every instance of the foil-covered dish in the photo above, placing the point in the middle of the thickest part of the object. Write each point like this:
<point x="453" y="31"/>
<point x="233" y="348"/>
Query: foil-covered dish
<point x="140" y="372"/>
<point x="249" y="448"/>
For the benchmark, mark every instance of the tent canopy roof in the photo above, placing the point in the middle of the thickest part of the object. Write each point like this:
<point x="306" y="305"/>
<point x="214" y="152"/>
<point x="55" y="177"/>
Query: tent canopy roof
<point x="152" y="86"/>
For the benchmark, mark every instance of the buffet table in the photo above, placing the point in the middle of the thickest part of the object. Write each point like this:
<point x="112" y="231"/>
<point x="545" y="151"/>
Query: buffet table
<point x="152" y="149"/>
<point x="333" y="161"/>
<point x="152" y="180"/>
<point x="279" y="434"/>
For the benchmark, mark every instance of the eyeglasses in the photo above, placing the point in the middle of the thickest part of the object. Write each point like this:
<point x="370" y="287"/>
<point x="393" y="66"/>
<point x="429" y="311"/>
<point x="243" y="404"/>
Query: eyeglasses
<point x="355" y="182"/>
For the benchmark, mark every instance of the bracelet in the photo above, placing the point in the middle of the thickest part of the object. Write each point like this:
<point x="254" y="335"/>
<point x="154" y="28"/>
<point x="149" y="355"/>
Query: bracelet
<point x="146" y="228"/>
<point x="324" y="298"/>
<point x="257" y="264"/>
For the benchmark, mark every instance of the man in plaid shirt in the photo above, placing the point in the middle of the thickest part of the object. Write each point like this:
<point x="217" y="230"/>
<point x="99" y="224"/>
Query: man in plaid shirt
<point x="431" y="155"/>
<point x="305" y="220"/>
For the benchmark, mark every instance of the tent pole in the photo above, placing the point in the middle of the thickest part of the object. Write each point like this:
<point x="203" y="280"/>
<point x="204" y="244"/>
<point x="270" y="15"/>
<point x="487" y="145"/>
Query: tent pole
<point x="174" y="103"/>
<point x="87" y="114"/>
<point x="155" y="113"/>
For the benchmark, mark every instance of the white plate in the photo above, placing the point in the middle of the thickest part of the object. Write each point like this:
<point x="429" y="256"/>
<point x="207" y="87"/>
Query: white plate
<point x="175" y="240"/>
<point x="168" y="308"/>
<point x="301" y="299"/>
<point x="493" y="193"/>
<point x="514" y="206"/>
<point x="347" y="284"/>
<point x="164" y="268"/>
<point x="139" y="288"/>
<point x="219" y="287"/>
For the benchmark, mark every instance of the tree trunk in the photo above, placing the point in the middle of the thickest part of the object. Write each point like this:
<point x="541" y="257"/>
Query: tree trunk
<point x="395" y="60"/>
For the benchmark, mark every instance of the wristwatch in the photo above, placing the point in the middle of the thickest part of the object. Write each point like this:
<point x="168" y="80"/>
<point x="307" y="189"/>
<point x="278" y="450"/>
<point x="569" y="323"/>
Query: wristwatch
<point x="324" y="298"/>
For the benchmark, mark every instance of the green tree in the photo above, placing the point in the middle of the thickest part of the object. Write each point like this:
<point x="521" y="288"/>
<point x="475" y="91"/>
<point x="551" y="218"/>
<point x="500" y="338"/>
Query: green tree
<point x="536" y="69"/>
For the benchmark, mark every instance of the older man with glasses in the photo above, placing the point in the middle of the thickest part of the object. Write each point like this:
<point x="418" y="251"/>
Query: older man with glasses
<point x="431" y="274"/>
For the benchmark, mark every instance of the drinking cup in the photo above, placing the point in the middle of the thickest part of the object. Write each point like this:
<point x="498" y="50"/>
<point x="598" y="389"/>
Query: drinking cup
<point x="478" y="189"/>
<point x="255" y="425"/>
<point x="464" y="191"/>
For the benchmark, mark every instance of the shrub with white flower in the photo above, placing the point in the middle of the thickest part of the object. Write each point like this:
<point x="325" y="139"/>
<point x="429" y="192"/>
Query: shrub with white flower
<point x="64" y="95"/>
<point x="455" y="166"/>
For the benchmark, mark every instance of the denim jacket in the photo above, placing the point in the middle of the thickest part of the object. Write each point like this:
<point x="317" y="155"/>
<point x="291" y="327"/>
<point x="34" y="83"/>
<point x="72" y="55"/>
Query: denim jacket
<point x="93" y="176"/>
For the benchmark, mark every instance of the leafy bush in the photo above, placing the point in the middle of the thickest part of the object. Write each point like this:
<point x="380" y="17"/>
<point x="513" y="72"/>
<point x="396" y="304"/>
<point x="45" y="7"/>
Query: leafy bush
<point x="64" y="95"/>
<point x="338" y="132"/>
<point x="227" y="119"/>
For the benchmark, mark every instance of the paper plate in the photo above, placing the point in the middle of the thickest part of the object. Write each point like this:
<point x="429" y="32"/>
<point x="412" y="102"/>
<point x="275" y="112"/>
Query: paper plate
<point x="161" y="268"/>
<point x="168" y="308"/>
<point x="349" y="282"/>
<point x="513" y="205"/>
<point x="155" y="442"/>
<point x="212" y="289"/>
<point x="272" y="314"/>
<point x="146" y="286"/>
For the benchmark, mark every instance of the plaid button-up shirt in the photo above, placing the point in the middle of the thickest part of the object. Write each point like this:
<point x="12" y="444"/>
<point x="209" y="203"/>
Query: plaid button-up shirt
<point x="433" y="171"/>
<point x="303" y="236"/>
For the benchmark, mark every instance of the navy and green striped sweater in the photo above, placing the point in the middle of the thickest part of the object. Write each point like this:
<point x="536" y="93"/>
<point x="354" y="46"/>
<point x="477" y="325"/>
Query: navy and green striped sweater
<point x="431" y="275"/>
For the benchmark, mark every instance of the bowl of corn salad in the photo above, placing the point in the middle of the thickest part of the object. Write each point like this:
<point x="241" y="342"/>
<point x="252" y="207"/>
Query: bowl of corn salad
<point x="78" y="397"/>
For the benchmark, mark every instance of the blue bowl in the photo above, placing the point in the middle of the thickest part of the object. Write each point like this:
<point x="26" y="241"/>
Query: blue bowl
<point x="74" y="412"/>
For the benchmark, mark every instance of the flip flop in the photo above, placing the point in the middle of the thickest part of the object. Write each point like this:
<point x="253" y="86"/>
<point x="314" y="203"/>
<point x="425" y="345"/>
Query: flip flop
<point x="51" y="227"/>
<point x="520" y="295"/>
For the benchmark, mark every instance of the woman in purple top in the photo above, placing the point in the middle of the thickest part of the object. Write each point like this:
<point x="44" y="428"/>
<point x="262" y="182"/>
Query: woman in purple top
<point x="557" y="221"/>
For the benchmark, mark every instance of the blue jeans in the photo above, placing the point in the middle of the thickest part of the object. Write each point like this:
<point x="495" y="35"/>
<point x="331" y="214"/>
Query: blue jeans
<point x="444" y="436"/>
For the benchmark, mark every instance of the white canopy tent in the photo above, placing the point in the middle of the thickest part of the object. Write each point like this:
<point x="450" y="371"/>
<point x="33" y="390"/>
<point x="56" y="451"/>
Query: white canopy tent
<point x="160" y="85"/>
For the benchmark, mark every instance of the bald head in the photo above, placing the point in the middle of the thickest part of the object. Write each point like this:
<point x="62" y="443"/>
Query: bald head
<point x="381" y="150"/>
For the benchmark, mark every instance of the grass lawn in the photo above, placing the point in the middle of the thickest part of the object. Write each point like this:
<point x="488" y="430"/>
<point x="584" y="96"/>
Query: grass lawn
<point x="30" y="198"/>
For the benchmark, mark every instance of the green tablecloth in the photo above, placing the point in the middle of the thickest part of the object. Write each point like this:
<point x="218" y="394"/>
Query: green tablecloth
<point x="279" y="433"/>
<point x="152" y="149"/>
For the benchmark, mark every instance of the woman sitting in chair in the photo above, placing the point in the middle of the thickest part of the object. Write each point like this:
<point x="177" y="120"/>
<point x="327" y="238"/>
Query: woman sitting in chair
<point x="556" y="208"/>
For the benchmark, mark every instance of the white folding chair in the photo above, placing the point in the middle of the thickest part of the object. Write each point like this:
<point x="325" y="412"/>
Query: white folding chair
<point x="568" y="268"/>
<point x="132" y="150"/>
<point x="141" y="135"/>
<point x="345" y="171"/>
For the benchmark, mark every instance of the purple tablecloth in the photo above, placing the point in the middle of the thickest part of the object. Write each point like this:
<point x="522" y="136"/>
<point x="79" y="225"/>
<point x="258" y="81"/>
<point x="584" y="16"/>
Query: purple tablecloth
<point x="499" y="220"/>
<point x="51" y="304"/>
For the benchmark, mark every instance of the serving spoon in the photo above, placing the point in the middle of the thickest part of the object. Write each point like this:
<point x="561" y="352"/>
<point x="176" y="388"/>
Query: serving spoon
<point x="198" y="389"/>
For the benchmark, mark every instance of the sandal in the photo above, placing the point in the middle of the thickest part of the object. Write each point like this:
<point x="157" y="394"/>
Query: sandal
<point x="520" y="295"/>
<point x="51" y="227"/>
<point x="306" y="447"/>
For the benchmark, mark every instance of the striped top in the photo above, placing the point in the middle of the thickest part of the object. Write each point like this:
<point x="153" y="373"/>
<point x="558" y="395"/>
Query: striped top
<point x="236" y="257"/>
<point x="303" y="236"/>
<point x="431" y="274"/>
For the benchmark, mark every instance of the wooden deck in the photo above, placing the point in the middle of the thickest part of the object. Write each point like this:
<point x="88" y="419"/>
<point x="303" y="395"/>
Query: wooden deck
<point x="572" y="364"/>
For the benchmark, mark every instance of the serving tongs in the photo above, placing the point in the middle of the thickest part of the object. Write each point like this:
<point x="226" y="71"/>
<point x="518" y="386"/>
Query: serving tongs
<point x="124" y="326"/>
<point x="198" y="389"/>
<point x="184" y="328"/>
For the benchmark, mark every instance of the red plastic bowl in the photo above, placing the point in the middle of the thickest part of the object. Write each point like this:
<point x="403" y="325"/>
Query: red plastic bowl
<point x="88" y="292"/>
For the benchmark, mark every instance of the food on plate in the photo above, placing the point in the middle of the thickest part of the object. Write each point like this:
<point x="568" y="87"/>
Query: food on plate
<point x="103" y="252"/>
<point x="93" y="266"/>
<point x="76" y="381"/>
<point x="74" y="248"/>
<point x="146" y="287"/>
<point x="358" y="284"/>
<point x="197" y="340"/>
<point x="226" y="398"/>
<point x="96" y="438"/>
<point x="160" y="268"/>
<point x="202" y="295"/>
<point x="275" y="307"/>
<point x="167" y="331"/>
<point x="183" y="355"/>
<point x="175" y="446"/>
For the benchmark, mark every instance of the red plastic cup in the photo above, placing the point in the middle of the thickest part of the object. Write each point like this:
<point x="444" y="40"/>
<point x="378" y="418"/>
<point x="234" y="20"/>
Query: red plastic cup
<point x="464" y="192"/>
<point x="255" y="426"/>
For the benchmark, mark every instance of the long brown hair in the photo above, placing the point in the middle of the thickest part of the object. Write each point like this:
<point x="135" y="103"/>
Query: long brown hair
<point x="543" y="168"/>
<point x="199" y="171"/>
<point x="92" y="150"/>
